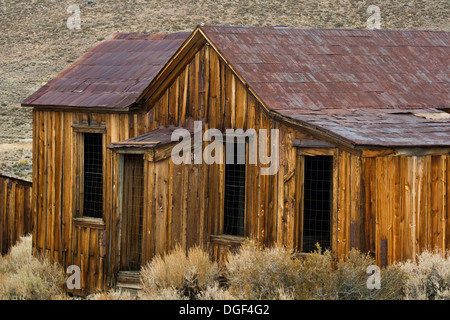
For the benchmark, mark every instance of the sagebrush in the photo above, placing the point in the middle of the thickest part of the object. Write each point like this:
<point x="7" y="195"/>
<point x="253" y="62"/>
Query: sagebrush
<point x="429" y="277"/>
<point x="274" y="273"/>
<point x="256" y="273"/>
<point x="25" y="277"/>
<point x="252" y="272"/>
<point x="179" y="275"/>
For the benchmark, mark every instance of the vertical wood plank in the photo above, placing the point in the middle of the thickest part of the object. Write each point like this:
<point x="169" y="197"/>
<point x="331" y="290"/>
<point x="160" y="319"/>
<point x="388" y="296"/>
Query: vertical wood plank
<point x="240" y="105"/>
<point x="381" y="208"/>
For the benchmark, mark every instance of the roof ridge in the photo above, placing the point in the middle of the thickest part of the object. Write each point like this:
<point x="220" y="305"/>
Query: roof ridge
<point x="318" y="29"/>
<point x="146" y="36"/>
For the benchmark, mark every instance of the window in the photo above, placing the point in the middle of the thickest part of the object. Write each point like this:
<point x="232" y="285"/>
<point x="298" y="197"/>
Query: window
<point x="318" y="177"/>
<point x="88" y="173"/>
<point x="234" y="207"/>
<point x="93" y="175"/>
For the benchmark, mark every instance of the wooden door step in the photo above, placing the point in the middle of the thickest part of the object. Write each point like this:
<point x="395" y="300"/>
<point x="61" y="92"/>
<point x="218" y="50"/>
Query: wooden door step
<point x="129" y="280"/>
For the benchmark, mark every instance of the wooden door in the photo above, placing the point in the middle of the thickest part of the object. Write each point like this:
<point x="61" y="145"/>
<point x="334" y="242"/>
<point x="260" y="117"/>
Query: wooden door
<point x="132" y="212"/>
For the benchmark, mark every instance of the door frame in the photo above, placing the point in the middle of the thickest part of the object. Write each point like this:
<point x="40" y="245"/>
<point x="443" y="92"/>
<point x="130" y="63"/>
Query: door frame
<point x="121" y="155"/>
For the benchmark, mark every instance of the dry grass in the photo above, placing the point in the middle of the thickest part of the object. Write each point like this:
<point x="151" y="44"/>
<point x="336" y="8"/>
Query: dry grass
<point x="24" y="277"/>
<point x="252" y="272"/>
<point x="16" y="160"/>
<point x="215" y="293"/>
<point x="256" y="273"/>
<point x="37" y="45"/>
<point x="259" y="273"/>
<point x="272" y="273"/>
<point x="314" y="276"/>
<point x="349" y="279"/>
<point x="112" y="295"/>
<point x="429" y="277"/>
<point x="179" y="275"/>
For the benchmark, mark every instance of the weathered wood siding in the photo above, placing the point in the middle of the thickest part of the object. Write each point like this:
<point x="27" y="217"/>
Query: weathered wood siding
<point x="349" y="220"/>
<point x="406" y="205"/>
<point x="175" y="207"/>
<point x="15" y="211"/>
<point x="208" y="90"/>
<point x="86" y="243"/>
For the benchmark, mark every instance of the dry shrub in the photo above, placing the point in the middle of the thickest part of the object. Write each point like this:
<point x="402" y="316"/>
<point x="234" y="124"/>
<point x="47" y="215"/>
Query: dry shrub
<point x="24" y="277"/>
<point x="350" y="279"/>
<point x="177" y="275"/>
<point x="257" y="273"/>
<point x="202" y="270"/>
<point x="285" y="295"/>
<point x="113" y="295"/>
<point x="169" y="293"/>
<point x="272" y="273"/>
<point x="322" y="279"/>
<point x="315" y="271"/>
<point x="428" y="277"/>
<point x="215" y="293"/>
<point x="393" y="280"/>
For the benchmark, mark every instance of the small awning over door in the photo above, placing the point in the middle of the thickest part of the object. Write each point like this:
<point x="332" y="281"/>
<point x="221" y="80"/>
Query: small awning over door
<point x="157" y="143"/>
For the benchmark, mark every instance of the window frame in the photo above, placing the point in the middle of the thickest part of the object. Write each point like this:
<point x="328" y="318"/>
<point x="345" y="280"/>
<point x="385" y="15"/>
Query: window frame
<point x="300" y="167"/>
<point x="303" y="195"/>
<point x="79" y="131"/>
<point x="220" y="236"/>
<point x="235" y="146"/>
<point x="122" y="160"/>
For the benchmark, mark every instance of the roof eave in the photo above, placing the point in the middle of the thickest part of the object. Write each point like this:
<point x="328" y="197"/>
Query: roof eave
<point x="109" y="109"/>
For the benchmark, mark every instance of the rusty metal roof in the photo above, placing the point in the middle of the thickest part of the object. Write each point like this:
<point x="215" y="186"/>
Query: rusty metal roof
<point x="366" y="87"/>
<point x="157" y="137"/>
<point x="112" y="75"/>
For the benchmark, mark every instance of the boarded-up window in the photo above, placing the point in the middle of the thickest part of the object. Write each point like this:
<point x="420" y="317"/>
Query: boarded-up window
<point x="93" y="175"/>
<point x="234" y="207"/>
<point x="318" y="177"/>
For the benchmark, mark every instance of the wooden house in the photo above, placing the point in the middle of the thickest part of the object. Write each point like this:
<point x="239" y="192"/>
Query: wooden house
<point x="361" y="128"/>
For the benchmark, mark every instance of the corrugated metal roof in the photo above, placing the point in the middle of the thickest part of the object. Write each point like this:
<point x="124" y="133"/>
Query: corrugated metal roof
<point x="158" y="137"/>
<point x="111" y="75"/>
<point x="363" y="86"/>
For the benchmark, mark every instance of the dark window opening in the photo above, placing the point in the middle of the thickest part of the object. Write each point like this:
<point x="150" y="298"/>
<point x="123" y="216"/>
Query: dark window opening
<point x="93" y="175"/>
<point x="234" y="210"/>
<point x="317" y="202"/>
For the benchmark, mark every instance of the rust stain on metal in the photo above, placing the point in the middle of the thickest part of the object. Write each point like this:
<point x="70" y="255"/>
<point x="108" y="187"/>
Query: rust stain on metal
<point x="361" y="85"/>
<point x="112" y="74"/>
<point x="151" y="139"/>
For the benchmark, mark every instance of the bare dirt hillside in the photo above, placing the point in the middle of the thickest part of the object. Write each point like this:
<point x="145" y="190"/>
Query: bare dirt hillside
<point x="36" y="43"/>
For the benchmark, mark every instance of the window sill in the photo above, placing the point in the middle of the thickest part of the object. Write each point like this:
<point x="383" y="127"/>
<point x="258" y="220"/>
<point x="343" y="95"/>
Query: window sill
<point x="93" y="223"/>
<point x="227" y="239"/>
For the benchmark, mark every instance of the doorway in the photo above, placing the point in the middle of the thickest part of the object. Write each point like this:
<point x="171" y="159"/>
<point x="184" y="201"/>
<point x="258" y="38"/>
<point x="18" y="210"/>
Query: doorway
<point x="132" y="212"/>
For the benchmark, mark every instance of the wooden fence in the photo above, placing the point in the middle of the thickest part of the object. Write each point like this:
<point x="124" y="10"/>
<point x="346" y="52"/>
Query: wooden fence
<point x="15" y="211"/>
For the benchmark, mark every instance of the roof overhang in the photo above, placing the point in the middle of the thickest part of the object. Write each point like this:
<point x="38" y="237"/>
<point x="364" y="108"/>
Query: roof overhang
<point x="156" y="144"/>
